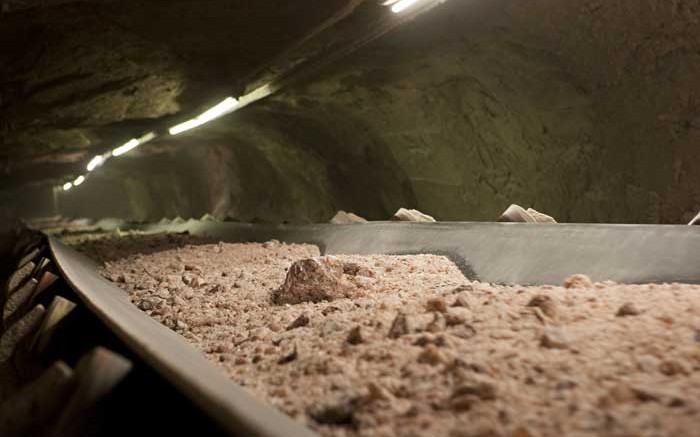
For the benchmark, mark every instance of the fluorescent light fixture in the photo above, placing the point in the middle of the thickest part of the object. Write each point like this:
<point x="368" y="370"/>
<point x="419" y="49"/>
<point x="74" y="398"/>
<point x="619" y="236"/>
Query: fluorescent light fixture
<point x="402" y="5"/>
<point x="130" y="145"/>
<point x="67" y="186"/>
<point x="256" y="94"/>
<point x="217" y="111"/>
<point x="95" y="162"/>
<point x="79" y="180"/>
<point x="182" y="127"/>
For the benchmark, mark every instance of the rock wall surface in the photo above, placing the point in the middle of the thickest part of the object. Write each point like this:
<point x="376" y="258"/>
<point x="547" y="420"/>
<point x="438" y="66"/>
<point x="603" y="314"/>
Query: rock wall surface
<point x="585" y="109"/>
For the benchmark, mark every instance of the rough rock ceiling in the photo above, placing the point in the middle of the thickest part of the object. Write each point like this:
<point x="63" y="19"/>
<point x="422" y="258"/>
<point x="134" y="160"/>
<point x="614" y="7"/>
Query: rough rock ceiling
<point x="79" y="76"/>
<point x="586" y="109"/>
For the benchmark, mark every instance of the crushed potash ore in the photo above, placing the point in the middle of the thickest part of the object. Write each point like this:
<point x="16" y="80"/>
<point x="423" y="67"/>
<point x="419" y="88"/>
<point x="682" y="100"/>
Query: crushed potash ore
<point x="406" y="345"/>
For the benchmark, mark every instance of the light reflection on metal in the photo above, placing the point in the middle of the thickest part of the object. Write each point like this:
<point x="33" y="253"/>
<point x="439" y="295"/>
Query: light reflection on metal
<point x="67" y="186"/>
<point x="79" y="180"/>
<point x="696" y="220"/>
<point x="226" y="106"/>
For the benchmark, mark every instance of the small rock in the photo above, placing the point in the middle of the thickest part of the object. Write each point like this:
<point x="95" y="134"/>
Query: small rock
<point x="546" y="304"/>
<point x="476" y="429"/>
<point x="302" y="320"/>
<point x="484" y="390"/>
<point x="430" y="355"/>
<point x="622" y="393"/>
<point x="425" y="340"/>
<point x="578" y="281"/>
<point x="341" y="413"/>
<point x="628" y="309"/>
<point x="460" y="301"/>
<point x="329" y="327"/>
<point x="193" y="281"/>
<point x="355" y="336"/>
<point x="466" y="333"/>
<point x="436" y="304"/>
<point x="676" y="402"/>
<point x="288" y="358"/>
<point x="555" y="338"/>
<point x="330" y="310"/>
<point x="647" y="363"/>
<point x="456" y="316"/>
<point x="399" y="326"/>
<point x="645" y="395"/>
<point x="468" y="288"/>
<point x="378" y="393"/>
<point x="438" y="323"/>
<point x="672" y="368"/>
<point x="347" y="218"/>
<point x="521" y="432"/>
<point x="411" y="215"/>
<point x="463" y="403"/>
<point x="151" y="303"/>
<point x="218" y="288"/>
<point x="353" y="269"/>
<point x="117" y="278"/>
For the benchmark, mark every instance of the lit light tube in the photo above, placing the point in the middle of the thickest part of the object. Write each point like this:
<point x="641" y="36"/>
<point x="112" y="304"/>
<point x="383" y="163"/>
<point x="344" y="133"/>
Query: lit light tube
<point x="128" y="146"/>
<point x="132" y="144"/>
<point x="95" y="162"/>
<point x="217" y="111"/>
<point x="402" y="5"/>
<point x="79" y="180"/>
<point x="67" y="186"/>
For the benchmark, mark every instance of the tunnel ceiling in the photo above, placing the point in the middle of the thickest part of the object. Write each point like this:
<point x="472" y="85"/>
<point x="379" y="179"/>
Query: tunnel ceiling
<point x="588" y="109"/>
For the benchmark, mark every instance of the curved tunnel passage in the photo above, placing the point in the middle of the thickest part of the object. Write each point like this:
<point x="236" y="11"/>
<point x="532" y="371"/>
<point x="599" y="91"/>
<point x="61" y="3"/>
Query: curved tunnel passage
<point x="586" y="110"/>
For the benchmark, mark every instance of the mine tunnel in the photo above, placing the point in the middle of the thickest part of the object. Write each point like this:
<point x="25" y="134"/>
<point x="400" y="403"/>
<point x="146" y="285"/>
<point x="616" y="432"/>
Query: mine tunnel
<point x="350" y="218"/>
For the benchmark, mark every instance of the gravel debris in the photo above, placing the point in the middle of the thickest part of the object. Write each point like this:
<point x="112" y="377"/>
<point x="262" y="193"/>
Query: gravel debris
<point x="355" y="336"/>
<point x="437" y="304"/>
<point x="628" y="309"/>
<point x="302" y="320"/>
<point x="578" y="281"/>
<point x="408" y="346"/>
<point x="546" y="304"/>
<point x="555" y="338"/>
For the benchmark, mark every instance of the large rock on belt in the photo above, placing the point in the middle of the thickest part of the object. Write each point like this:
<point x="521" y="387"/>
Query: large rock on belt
<point x="411" y="215"/>
<point x="315" y="280"/>
<point x="347" y="218"/>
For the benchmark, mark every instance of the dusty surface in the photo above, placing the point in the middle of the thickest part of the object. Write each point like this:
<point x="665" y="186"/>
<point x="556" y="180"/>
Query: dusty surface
<point x="416" y="349"/>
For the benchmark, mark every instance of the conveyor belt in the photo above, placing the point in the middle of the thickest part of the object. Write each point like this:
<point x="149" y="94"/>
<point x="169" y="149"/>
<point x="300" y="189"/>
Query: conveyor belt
<point x="494" y="252"/>
<point x="498" y="252"/>
<point x="170" y="355"/>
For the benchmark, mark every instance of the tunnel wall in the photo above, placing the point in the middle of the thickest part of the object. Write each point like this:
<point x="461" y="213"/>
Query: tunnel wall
<point x="586" y="110"/>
